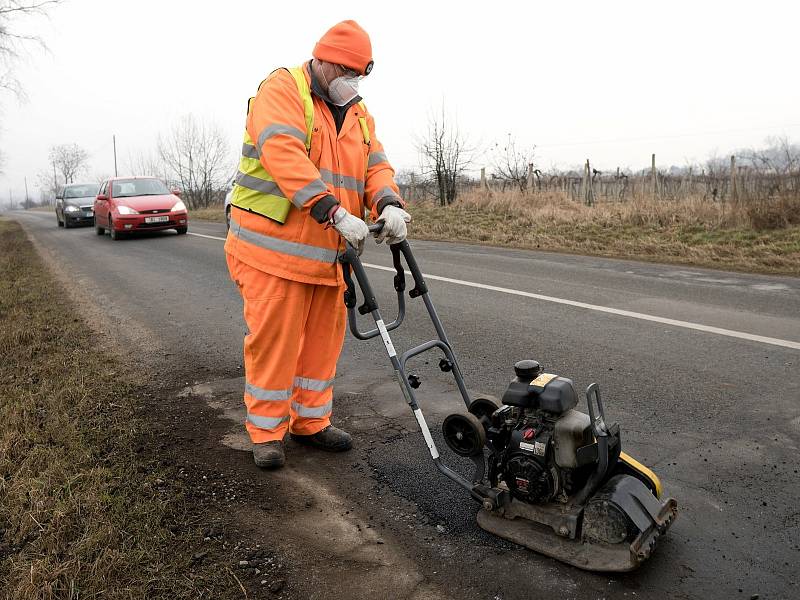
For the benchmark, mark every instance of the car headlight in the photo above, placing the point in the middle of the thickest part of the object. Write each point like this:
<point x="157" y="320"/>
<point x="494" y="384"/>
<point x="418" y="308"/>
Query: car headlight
<point x="71" y="208"/>
<point x="179" y="205"/>
<point x="126" y="210"/>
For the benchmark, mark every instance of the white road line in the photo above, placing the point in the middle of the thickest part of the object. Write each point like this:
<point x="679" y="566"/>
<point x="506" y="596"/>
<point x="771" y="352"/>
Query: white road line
<point x="210" y="237"/>
<point x="613" y="311"/>
<point x="604" y="309"/>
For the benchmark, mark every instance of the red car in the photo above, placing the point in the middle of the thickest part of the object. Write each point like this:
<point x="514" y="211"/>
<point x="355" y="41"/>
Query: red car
<point x="127" y="204"/>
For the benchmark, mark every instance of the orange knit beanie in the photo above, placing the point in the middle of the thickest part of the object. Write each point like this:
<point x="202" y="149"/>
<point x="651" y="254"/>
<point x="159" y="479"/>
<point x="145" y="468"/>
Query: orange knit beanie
<point x="346" y="44"/>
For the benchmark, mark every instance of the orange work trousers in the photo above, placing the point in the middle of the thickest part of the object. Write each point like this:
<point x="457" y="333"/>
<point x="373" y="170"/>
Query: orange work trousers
<point x="295" y="337"/>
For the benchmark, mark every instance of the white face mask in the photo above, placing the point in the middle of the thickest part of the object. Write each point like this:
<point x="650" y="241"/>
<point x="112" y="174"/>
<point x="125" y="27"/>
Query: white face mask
<point x="343" y="89"/>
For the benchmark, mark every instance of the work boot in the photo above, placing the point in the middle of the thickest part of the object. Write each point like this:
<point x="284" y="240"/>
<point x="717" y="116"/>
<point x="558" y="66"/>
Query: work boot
<point x="269" y="455"/>
<point x="330" y="439"/>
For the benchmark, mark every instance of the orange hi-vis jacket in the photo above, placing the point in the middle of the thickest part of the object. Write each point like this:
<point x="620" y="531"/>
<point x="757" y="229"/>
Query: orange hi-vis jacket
<point x="345" y="165"/>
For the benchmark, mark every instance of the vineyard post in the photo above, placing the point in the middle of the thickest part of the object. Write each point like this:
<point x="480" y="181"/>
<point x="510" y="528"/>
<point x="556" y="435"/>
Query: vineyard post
<point x="654" y="175"/>
<point x="530" y="178"/>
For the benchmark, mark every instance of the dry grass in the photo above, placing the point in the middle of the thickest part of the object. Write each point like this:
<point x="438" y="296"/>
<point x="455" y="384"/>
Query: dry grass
<point x="82" y="514"/>
<point x="692" y="232"/>
<point x="762" y="237"/>
<point x="214" y="213"/>
<point x="777" y="213"/>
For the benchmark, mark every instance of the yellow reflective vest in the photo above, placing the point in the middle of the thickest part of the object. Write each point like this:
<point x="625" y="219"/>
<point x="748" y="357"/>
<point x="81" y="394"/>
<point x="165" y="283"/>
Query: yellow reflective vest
<point x="255" y="189"/>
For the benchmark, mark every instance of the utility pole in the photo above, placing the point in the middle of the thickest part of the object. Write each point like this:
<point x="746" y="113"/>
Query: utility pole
<point x="27" y="200"/>
<point x="114" y="140"/>
<point x="55" y="183"/>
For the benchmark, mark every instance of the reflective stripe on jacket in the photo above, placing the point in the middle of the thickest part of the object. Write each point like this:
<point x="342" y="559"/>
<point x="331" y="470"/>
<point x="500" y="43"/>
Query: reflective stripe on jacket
<point x="283" y="173"/>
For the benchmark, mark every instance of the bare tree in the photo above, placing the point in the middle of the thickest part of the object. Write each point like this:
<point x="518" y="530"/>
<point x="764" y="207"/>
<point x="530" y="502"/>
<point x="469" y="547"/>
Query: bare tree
<point x="513" y="164"/>
<point x="12" y="41"/>
<point x="146" y="163"/>
<point x="69" y="160"/>
<point x="196" y="154"/>
<point x="48" y="186"/>
<point x="445" y="155"/>
<point x="405" y="176"/>
<point x="779" y="157"/>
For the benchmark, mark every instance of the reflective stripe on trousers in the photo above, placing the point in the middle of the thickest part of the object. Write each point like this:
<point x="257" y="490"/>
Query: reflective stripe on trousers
<point x="300" y="383"/>
<point x="266" y="422"/>
<point x="313" y="411"/>
<point x="266" y="395"/>
<point x="314" y="385"/>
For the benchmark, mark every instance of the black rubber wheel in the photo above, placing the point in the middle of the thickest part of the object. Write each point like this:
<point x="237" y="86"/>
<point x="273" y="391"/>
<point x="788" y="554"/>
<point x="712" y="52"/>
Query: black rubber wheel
<point x="115" y="235"/>
<point x="464" y="434"/>
<point x="483" y="408"/>
<point x="181" y="230"/>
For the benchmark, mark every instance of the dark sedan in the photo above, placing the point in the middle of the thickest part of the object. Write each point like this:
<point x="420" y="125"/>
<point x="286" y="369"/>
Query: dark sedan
<point x="75" y="204"/>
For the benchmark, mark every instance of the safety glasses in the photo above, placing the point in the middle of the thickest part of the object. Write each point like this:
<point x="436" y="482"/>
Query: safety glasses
<point x="342" y="71"/>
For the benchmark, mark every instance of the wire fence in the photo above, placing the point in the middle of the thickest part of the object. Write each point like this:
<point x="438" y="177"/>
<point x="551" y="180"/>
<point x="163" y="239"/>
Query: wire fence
<point x="743" y="184"/>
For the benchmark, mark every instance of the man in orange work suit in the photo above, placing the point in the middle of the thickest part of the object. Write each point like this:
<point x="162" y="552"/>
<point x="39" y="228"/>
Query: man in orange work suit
<point x="310" y="167"/>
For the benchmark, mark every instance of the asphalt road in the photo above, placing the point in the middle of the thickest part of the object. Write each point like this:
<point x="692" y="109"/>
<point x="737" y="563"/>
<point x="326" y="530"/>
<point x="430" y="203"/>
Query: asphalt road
<point x="700" y="367"/>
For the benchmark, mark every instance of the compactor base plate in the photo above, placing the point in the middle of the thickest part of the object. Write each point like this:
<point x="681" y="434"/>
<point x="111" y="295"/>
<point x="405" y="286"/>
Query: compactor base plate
<point x="538" y="532"/>
<point x="590" y="556"/>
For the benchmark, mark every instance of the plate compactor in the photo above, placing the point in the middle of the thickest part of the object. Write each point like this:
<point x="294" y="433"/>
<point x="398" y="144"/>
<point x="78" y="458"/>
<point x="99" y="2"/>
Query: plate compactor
<point x="547" y="476"/>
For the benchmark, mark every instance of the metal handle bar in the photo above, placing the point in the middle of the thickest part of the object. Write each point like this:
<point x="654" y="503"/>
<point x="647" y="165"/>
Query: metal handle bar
<point x="351" y="261"/>
<point x="351" y="264"/>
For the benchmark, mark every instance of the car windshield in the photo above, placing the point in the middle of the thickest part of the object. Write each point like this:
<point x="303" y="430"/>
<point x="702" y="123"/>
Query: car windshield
<point x="80" y="191"/>
<point x="122" y="188"/>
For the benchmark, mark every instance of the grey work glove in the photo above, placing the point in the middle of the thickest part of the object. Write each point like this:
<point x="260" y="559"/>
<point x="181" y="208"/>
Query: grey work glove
<point x="351" y="228"/>
<point x="394" y="229"/>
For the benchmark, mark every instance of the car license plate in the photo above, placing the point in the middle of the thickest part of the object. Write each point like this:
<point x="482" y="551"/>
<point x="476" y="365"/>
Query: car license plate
<point x="156" y="219"/>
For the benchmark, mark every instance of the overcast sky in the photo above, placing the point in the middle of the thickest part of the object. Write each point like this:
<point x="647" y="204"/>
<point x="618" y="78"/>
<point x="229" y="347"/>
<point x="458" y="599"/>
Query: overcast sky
<point x="610" y="81"/>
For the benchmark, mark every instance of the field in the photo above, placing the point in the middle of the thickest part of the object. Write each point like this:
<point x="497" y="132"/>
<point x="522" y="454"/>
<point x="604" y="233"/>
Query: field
<point x="761" y="237"/>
